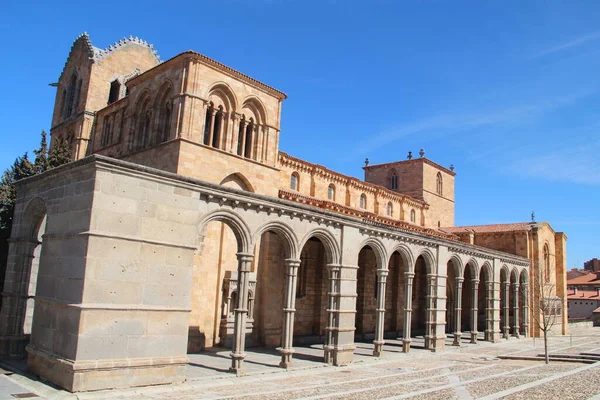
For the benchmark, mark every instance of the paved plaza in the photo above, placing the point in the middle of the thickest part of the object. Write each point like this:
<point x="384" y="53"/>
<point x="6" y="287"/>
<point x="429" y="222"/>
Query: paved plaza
<point x="471" y="371"/>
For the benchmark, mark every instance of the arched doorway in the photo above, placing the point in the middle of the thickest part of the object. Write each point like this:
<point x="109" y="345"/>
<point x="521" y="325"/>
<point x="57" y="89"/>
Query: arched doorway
<point x="504" y="302"/>
<point x="514" y="303"/>
<point x="454" y="282"/>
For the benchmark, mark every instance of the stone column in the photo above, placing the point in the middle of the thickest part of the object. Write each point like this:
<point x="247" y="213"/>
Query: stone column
<point x="525" y="309"/>
<point x="235" y="118"/>
<point x="496" y="329"/>
<point x="213" y="113"/>
<point x="489" y="311"/>
<point x="429" y="320"/>
<point x="15" y="296"/>
<point x="457" y="312"/>
<point x="243" y="123"/>
<point x="380" y="322"/>
<point x="409" y="276"/>
<point x="506" y="327"/>
<point x="332" y="304"/>
<point x="475" y="292"/>
<point x="241" y="312"/>
<point x="340" y="343"/>
<point x="289" y="309"/>
<point x="516" y="310"/>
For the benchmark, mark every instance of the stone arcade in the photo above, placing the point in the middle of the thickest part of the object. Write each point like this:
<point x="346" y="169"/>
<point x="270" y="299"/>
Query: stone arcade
<point x="180" y="220"/>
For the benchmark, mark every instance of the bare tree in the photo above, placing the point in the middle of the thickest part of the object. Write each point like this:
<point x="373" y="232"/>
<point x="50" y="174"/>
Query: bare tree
<point x="546" y="305"/>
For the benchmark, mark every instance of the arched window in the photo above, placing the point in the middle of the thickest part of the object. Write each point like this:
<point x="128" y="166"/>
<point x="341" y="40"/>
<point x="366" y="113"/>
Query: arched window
<point x="115" y="91"/>
<point x="363" y="201"/>
<point x="439" y="184"/>
<point x="331" y="192"/>
<point x="413" y="216"/>
<point x="208" y="123"/>
<point x="165" y="108"/>
<point x="389" y="209"/>
<point x="71" y="90"/>
<point x="216" y="137"/>
<point x="294" y="181"/>
<point x="248" y="139"/>
<point x="393" y="180"/>
<point x="63" y="104"/>
<point x="546" y="262"/>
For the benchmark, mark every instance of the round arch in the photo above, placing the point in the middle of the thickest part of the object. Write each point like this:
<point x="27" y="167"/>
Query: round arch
<point x="429" y="261"/>
<point x="224" y="92"/>
<point x="240" y="180"/>
<point x="514" y="275"/>
<point x="524" y="276"/>
<point x="164" y="89"/>
<point x="405" y="253"/>
<point x="34" y="214"/>
<point x="290" y="241"/>
<point x="256" y="107"/>
<point x="457" y="265"/>
<point x="379" y="250"/>
<point x="474" y="268"/>
<point x="332" y="248"/>
<point x="486" y="270"/>
<point x="238" y="226"/>
<point x="504" y="273"/>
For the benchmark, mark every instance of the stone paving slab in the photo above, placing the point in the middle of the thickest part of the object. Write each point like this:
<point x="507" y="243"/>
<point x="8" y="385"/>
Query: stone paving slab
<point x="469" y="371"/>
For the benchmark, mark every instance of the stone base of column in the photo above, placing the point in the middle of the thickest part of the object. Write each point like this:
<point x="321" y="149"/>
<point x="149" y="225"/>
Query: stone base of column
<point x="286" y="357"/>
<point x="506" y="333"/>
<point x="378" y="348"/>
<point x="516" y="335"/>
<point x="237" y="361"/>
<point x="438" y="343"/>
<point x="427" y="342"/>
<point x="340" y="355"/>
<point x="457" y="338"/>
<point x="13" y="346"/>
<point x="406" y="345"/>
<point x="80" y="376"/>
<point x="474" y="337"/>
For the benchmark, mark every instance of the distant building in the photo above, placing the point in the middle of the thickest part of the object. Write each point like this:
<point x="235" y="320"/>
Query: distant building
<point x="581" y="304"/>
<point x="592" y="265"/>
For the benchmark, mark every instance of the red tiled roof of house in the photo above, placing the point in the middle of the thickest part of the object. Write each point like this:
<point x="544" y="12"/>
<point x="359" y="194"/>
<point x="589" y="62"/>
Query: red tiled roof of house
<point x="583" y="295"/>
<point x="518" y="226"/>
<point x="574" y="273"/>
<point x="587" y="279"/>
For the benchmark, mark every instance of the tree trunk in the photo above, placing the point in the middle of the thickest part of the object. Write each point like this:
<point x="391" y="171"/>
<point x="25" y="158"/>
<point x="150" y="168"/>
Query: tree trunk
<point x="546" y="358"/>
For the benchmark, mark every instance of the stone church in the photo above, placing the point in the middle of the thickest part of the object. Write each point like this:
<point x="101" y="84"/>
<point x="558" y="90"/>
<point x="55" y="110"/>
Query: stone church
<point x="181" y="226"/>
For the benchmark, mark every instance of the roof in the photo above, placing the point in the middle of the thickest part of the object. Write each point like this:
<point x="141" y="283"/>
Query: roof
<point x="587" y="279"/>
<point x="583" y="295"/>
<point x="96" y="53"/>
<point x="412" y="161"/>
<point x="574" y="273"/>
<point x="492" y="228"/>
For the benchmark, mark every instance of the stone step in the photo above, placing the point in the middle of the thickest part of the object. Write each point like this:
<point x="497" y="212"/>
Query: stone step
<point x="574" y="356"/>
<point x="537" y="358"/>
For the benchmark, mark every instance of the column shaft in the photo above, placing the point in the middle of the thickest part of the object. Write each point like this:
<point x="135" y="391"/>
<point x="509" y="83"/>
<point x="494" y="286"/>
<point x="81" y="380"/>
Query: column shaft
<point x="380" y="319"/>
<point x="241" y="312"/>
<point x="474" y="310"/>
<point x="457" y="310"/>
<point x="516" y="310"/>
<point x="506" y="327"/>
<point x="526" y="310"/>
<point x="289" y="310"/>
<point x="407" y="310"/>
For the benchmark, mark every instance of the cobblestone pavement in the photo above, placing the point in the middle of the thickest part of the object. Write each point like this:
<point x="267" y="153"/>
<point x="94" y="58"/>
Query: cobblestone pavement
<point x="468" y="372"/>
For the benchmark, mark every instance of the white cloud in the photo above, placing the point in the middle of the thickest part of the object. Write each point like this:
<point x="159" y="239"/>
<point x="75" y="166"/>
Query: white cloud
<point x="567" y="45"/>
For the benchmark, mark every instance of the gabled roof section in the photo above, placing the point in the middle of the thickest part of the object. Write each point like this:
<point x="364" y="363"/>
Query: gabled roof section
<point x="492" y="228"/>
<point x="411" y="161"/>
<point x="97" y="54"/>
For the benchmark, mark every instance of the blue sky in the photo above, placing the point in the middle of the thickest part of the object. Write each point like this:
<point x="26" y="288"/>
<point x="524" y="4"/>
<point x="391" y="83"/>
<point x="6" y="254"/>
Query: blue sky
<point x="506" y="91"/>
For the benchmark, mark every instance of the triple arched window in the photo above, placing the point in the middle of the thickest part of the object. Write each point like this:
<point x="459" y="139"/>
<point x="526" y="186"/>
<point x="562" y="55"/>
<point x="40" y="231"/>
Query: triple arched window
<point x="439" y="184"/>
<point x="213" y="125"/>
<point x="154" y="117"/>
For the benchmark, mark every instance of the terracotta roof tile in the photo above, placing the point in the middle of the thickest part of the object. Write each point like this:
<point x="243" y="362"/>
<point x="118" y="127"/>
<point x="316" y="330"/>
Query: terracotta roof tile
<point x="587" y="279"/>
<point x="518" y="226"/>
<point x="583" y="294"/>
